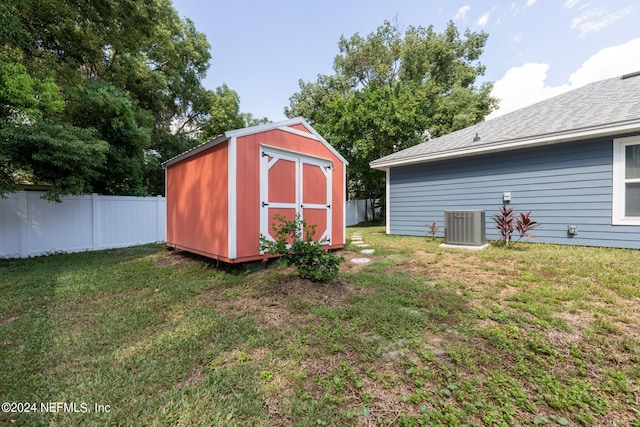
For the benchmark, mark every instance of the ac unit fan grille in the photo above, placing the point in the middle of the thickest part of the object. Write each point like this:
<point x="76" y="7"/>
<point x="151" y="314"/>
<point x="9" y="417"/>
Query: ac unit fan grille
<point x="464" y="228"/>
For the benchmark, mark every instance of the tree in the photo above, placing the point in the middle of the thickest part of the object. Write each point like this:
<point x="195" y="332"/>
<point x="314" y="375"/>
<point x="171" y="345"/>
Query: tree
<point x="223" y="114"/>
<point x="392" y="90"/>
<point x="114" y="78"/>
<point x="103" y="107"/>
<point x="34" y="145"/>
<point x="217" y="112"/>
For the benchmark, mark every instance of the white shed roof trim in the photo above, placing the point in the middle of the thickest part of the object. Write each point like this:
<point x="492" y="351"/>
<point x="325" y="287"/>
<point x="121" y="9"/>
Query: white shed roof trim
<point x="284" y="125"/>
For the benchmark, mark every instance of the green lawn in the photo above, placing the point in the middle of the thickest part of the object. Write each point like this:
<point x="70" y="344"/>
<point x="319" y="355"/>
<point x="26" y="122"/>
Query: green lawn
<point x="536" y="335"/>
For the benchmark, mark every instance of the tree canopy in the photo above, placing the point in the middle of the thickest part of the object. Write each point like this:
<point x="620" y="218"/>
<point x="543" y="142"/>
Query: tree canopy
<point x="95" y="94"/>
<point x="394" y="89"/>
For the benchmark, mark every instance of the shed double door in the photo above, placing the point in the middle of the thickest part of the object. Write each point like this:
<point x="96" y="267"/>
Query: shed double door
<point x="290" y="184"/>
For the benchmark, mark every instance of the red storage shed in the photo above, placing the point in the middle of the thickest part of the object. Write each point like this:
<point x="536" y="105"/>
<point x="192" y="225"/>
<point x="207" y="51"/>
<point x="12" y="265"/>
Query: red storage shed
<point x="224" y="193"/>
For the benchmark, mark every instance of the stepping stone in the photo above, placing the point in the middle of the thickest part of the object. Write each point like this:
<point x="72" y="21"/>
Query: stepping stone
<point x="361" y="245"/>
<point x="361" y="260"/>
<point x="356" y="237"/>
<point x="367" y="251"/>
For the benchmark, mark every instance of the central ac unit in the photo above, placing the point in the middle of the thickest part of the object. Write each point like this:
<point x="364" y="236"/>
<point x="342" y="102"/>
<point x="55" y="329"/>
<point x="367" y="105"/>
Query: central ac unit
<point x="464" y="228"/>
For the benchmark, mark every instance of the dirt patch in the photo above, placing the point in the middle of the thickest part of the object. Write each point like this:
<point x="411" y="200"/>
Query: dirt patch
<point x="437" y="344"/>
<point x="286" y="303"/>
<point x="176" y="258"/>
<point x="382" y="401"/>
<point x="331" y="294"/>
<point x="347" y="265"/>
<point x="474" y="272"/>
<point x="385" y="402"/>
<point x="274" y="402"/>
<point x="576" y="321"/>
<point x="279" y="297"/>
<point x="8" y="320"/>
<point x="240" y="356"/>
<point x="196" y="374"/>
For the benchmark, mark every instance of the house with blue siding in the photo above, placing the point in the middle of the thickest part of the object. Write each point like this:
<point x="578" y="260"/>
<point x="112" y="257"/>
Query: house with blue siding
<point x="573" y="160"/>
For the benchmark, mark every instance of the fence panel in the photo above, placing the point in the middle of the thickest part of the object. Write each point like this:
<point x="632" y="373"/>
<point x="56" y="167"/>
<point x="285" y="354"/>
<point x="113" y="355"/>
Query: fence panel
<point x="120" y="225"/>
<point x="55" y="227"/>
<point x="30" y="225"/>
<point x="12" y="212"/>
<point x="357" y="210"/>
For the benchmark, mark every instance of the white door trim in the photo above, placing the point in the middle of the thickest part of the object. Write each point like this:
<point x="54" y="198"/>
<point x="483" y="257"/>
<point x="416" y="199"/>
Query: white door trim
<point x="325" y="165"/>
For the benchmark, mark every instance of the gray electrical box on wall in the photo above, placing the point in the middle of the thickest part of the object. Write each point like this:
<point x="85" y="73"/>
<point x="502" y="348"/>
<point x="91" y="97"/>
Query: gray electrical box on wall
<point x="464" y="228"/>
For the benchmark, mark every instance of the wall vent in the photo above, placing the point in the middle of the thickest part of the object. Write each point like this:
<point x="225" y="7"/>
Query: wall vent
<point x="464" y="228"/>
<point x="628" y="76"/>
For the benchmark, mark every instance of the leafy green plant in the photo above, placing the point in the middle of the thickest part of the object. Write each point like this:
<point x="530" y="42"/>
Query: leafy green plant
<point x="508" y="222"/>
<point x="294" y="243"/>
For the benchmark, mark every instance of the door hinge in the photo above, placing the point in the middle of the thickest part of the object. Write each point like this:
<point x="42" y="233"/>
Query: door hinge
<point x="265" y="204"/>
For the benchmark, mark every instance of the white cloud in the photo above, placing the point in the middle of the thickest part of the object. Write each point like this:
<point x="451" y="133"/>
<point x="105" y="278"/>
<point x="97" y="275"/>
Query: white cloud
<point x="609" y="62"/>
<point x="526" y="85"/>
<point x="593" y="20"/>
<point x="531" y="2"/>
<point x="523" y="86"/>
<point x="482" y="21"/>
<point x="462" y="12"/>
<point x="570" y="3"/>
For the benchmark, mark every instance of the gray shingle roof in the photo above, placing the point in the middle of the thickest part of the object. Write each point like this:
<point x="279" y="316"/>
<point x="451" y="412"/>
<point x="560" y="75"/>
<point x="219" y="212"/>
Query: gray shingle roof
<point x="601" y="108"/>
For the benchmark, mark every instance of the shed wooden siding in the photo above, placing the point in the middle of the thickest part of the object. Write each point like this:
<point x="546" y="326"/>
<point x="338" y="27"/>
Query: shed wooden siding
<point x="301" y="128"/>
<point x="248" y="184"/>
<point x="194" y="222"/>
<point x="564" y="184"/>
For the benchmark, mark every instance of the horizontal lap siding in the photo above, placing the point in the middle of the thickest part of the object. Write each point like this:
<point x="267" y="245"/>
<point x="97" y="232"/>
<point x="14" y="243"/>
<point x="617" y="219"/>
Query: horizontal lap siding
<point x="565" y="184"/>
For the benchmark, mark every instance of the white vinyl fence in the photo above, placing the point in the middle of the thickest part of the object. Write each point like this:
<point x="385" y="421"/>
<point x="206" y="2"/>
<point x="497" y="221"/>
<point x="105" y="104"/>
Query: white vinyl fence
<point x="31" y="226"/>
<point x="356" y="211"/>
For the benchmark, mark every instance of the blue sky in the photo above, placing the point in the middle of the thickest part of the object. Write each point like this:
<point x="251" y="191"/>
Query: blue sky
<point x="536" y="48"/>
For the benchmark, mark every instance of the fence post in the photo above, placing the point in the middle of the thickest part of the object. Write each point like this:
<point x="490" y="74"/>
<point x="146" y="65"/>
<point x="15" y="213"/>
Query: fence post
<point x="159" y="223"/>
<point x="23" y="214"/>
<point x="95" y="222"/>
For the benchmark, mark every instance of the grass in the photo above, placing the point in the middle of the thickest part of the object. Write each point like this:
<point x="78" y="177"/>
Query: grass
<point x="536" y="335"/>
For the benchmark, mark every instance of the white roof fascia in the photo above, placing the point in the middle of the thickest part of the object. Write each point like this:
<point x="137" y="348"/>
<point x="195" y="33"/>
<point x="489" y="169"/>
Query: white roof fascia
<point x="263" y="127"/>
<point x="315" y="135"/>
<point x="195" y="150"/>
<point x="526" y="142"/>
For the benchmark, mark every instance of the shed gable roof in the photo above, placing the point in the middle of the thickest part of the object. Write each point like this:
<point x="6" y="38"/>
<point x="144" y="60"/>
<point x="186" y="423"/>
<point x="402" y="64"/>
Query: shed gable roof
<point x="285" y="125"/>
<point x="602" y="108"/>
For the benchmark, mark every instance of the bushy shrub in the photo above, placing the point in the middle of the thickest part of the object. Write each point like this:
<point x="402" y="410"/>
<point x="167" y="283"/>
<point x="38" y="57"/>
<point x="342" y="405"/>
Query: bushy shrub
<point x="293" y="241"/>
